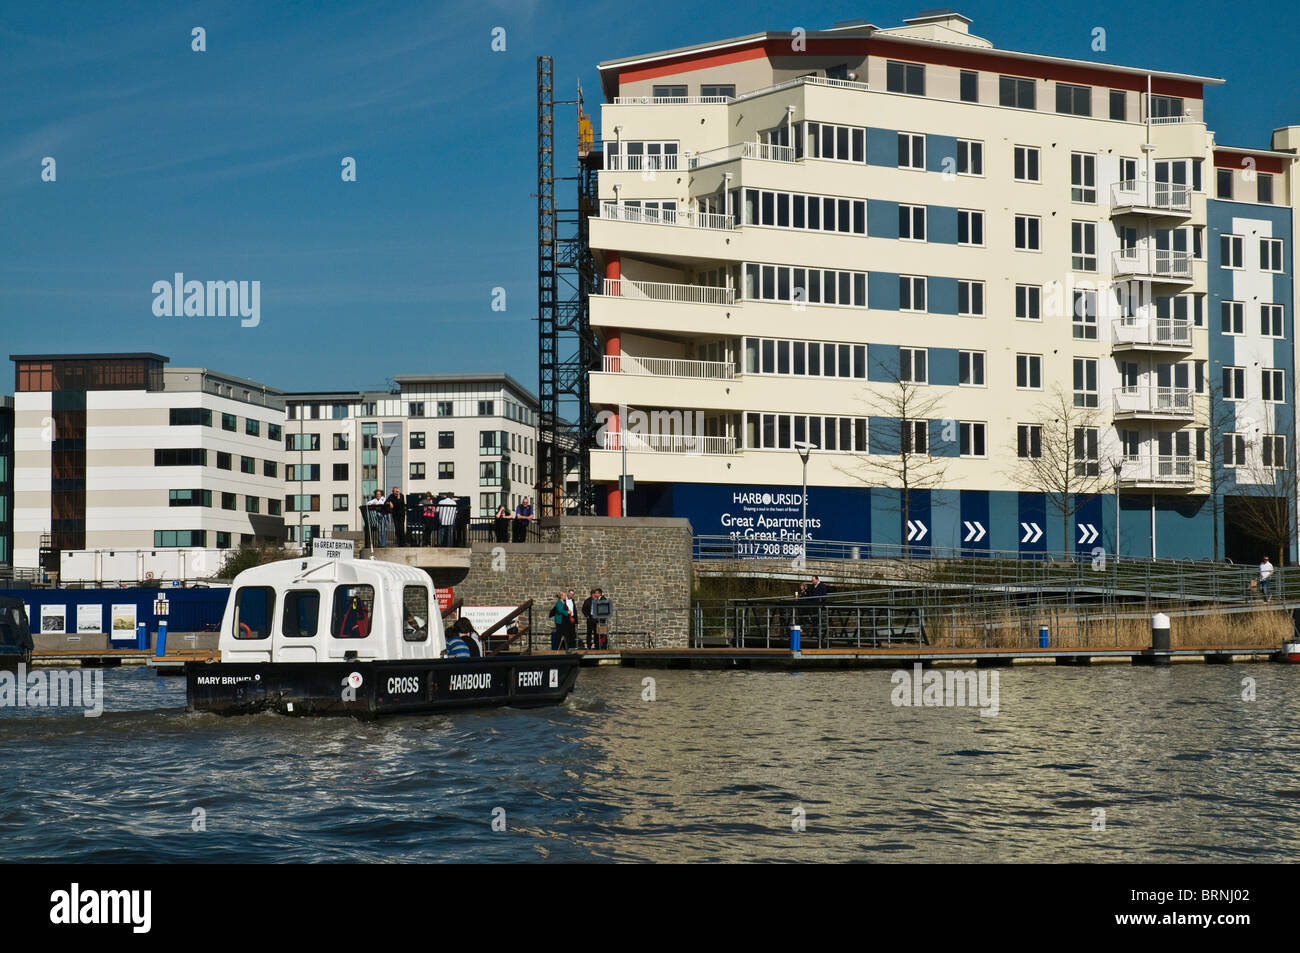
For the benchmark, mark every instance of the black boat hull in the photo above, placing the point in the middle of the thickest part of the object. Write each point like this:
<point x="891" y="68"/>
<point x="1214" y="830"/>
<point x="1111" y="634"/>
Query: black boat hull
<point x="377" y="689"/>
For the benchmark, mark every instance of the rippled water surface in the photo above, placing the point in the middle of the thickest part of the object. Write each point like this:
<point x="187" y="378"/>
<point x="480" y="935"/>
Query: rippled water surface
<point x="713" y="769"/>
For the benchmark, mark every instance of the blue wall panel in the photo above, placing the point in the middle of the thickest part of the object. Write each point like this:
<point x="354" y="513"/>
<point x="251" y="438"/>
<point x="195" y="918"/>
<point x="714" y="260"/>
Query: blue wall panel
<point x="885" y="519"/>
<point x="943" y="366"/>
<point x="942" y="225"/>
<point x="938" y="148"/>
<point x="882" y="290"/>
<point x="941" y="295"/>
<point x="882" y="363"/>
<point x="1090" y="513"/>
<point x="975" y="510"/>
<point x="882" y="147"/>
<point x="1032" y="511"/>
<point x="882" y="218"/>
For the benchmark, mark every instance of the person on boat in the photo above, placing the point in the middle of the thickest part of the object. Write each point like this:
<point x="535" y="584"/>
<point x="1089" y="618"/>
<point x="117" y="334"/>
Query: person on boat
<point x="456" y="647"/>
<point x="465" y="632"/>
<point x="356" y="621"/>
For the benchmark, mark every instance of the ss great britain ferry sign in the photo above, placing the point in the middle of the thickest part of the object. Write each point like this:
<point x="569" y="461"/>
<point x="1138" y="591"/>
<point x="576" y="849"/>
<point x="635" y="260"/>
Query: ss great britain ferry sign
<point x="325" y="636"/>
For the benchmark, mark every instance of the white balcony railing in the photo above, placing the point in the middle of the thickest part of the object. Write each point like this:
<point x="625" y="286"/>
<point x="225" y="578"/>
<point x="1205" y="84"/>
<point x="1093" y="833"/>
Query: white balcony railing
<point x="716" y="100"/>
<point x="1158" y="469"/>
<point x="1157" y="401"/>
<point x="668" y="443"/>
<point x="1153" y="262"/>
<point x="1161" y="332"/>
<point x="767" y="151"/>
<point x="807" y="81"/>
<point x="1134" y="193"/>
<point x="671" y="100"/>
<point x="660" y="216"/>
<point x="663" y="291"/>
<point x="669" y="367"/>
<point x="660" y="163"/>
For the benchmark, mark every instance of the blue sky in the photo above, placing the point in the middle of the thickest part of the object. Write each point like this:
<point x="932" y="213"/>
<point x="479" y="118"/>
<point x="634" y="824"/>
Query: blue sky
<point x="225" y="165"/>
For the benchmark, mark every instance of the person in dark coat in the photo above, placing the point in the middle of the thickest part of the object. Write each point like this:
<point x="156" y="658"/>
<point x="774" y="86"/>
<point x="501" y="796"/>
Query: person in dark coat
<point x="592" y="640"/>
<point x="398" y="503"/>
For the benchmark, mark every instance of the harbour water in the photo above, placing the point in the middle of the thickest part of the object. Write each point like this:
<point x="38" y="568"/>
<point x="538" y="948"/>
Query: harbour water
<point x="719" y="766"/>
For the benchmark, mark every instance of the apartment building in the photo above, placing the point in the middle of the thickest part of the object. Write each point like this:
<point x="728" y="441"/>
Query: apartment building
<point x="906" y="247"/>
<point x="6" y="479"/>
<point x="471" y="434"/>
<point x="117" y="451"/>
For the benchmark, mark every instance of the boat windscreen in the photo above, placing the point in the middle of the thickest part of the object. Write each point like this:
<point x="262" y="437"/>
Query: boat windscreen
<point x="353" y="612"/>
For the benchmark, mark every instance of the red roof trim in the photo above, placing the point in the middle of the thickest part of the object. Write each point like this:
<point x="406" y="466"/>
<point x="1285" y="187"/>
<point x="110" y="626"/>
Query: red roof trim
<point x="1232" y="160"/>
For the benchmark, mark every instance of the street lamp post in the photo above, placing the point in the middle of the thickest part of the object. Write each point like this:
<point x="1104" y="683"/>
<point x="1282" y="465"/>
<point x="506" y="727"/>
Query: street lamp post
<point x="1117" y="466"/>
<point x="804" y="448"/>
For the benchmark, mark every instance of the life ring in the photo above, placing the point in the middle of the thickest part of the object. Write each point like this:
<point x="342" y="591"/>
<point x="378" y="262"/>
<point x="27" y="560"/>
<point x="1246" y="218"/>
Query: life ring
<point x="148" y="575"/>
<point x="245" y="627"/>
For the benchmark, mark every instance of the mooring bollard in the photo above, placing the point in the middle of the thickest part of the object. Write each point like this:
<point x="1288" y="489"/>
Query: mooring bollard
<point x="142" y="637"/>
<point x="1160" y="638"/>
<point x="1044" y="637"/>
<point x="795" y="634"/>
<point x="161" y="648"/>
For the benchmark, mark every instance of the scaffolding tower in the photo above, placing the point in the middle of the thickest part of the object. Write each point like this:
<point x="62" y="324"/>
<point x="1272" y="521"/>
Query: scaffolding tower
<point x="566" y="348"/>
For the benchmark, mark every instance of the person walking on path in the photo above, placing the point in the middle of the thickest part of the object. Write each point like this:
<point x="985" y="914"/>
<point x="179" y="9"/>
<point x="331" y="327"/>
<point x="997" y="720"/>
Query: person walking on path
<point x="1265" y="579"/>
<point x="398" y="503"/>
<point x="447" y="521"/>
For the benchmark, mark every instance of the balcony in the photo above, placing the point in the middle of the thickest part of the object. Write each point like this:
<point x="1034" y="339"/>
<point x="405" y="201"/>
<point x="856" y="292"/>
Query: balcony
<point x="671" y="100"/>
<point x="1159" y="264"/>
<point x="664" y="291"/>
<point x="654" y="216"/>
<point x="669" y="367"/>
<point x="1161" y="403"/>
<point x="1159" y="334"/>
<point x="1155" y="471"/>
<point x="723" y="100"/>
<point x="687" y="444"/>
<point x="1144" y="197"/>
<point x="621" y="163"/>
<point x="765" y="151"/>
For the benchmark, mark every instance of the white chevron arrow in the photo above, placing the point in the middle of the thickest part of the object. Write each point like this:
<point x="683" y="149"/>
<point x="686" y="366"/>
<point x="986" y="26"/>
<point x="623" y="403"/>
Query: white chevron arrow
<point x="1087" y="533"/>
<point x="916" y="531"/>
<point x="1033" y="532"/>
<point x="975" y="531"/>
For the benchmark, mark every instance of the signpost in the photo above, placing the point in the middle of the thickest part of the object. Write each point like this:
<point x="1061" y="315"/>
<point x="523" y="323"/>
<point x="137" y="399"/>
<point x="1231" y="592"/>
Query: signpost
<point x="332" y="548"/>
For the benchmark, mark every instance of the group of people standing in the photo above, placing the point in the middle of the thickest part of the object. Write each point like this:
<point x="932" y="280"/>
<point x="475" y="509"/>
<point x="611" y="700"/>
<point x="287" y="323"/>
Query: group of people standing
<point x="564" y="614"/>
<point x="522" y="516"/>
<point x="394" y="516"/>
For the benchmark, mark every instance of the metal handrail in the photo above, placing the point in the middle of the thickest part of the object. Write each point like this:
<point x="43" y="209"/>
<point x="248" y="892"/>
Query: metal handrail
<point x="666" y="291"/>
<point x="1165" y="401"/>
<point x="1145" y="193"/>
<point x="687" y="217"/>
<point x="1158" y="262"/>
<point x="668" y="367"/>
<point x="1170" y="332"/>
<point x="689" y="444"/>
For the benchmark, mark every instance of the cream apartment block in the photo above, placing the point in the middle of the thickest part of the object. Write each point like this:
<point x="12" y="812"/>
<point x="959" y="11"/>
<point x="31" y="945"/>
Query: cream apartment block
<point x="117" y="451"/>
<point x="469" y="434"/>
<point x="790" y="222"/>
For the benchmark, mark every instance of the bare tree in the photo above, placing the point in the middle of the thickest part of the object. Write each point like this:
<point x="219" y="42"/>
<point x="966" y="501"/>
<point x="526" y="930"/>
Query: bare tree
<point x="1267" y="494"/>
<point x="1062" y="459"/>
<point x="899" y="455"/>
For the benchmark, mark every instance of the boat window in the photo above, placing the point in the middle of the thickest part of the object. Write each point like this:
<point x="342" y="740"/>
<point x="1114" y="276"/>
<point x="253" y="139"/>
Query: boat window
<point x="353" y="612"/>
<point x="253" y="608"/>
<point x="415" y="614"/>
<point x="301" y="612"/>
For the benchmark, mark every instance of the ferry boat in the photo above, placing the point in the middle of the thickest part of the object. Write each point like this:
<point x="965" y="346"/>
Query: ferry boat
<point x="324" y="636"/>
<point x="16" y="643"/>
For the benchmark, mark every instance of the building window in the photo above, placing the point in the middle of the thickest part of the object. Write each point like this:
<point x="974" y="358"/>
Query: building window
<point x="911" y="223"/>
<point x="1029" y="371"/>
<point x="970" y="227"/>
<point x="1118" y="105"/>
<point x="842" y="143"/>
<point x="417" y="440"/>
<point x="970" y="157"/>
<point x="273" y="432"/>
<point x="1026" y="164"/>
<point x="340" y="472"/>
<point x="339" y="411"/>
<point x="445" y="409"/>
<point x="446" y="440"/>
<point x="1029" y="299"/>
<point x="1083" y="246"/>
<point x="1270" y="321"/>
<point x="1272" y="382"/>
<point x="1234" y="450"/>
<point x="1017" y="92"/>
<point x="223" y="540"/>
<point x="1027" y="229"/>
<point x="970" y="90"/>
<point x="302" y="503"/>
<point x="1232" y="317"/>
<point x="304" y="472"/>
<point x="182" y="458"/>
<point x="1085" y="315"/>
<point x="911" y="293"/>
<point x="970" y="368"/>
<point x="905" y="78"/>
<point x="303" y="441"/>
<point x="911" y="151"/>
<point x="340" y="441"/>
<point x="1087" y="461"/>
<point x="1270" y="254"/>
<point x="166" y="538"/>
<point x="252" y="428"/>
<point x="915" y="436"/>
<point x="1234" y="383"/>
<point x="1231" y="251"/>
<point x="189" y="417"/>
<point x="1264" y="192"/>
<point x="1029" y="441"/>
<point x="718" y="91"/>
<point x="1223" y="183"/>
<point x="1083" y="177"/>
<point x="416" y="471"/>
<point x="1085" y="382"/>
<point x="1273" y="451"/>
<point x="252" y="504"/>
<point x="271" y="469"/>
<point x="1167" y="107"/>
<point x="189" y="497"/>
<point x="229" y="422"/>
<point x="970" y="298"/>
<point x="415" y="408"/>
<point x="912" y="364"/>
<point x="223" y="461"/>
<point x="446" y="471"/>
<point x="670" y="92"/>
<point x="247" y="465"/>
<point x="228" y="501"/>
<point x="1073" y="100"/>
<point x="486" y="408"/>
<point x="972" y="439"/>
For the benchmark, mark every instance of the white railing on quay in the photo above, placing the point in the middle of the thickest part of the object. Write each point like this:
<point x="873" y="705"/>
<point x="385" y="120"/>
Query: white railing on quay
<point x="665" y="291"/>
<point x="669" y="367"/>
<point x="659" y="216"/>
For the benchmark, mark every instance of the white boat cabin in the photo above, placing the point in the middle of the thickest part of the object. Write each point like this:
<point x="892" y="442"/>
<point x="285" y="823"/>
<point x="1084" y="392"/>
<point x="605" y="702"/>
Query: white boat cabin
<point x="331" y="610"/>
